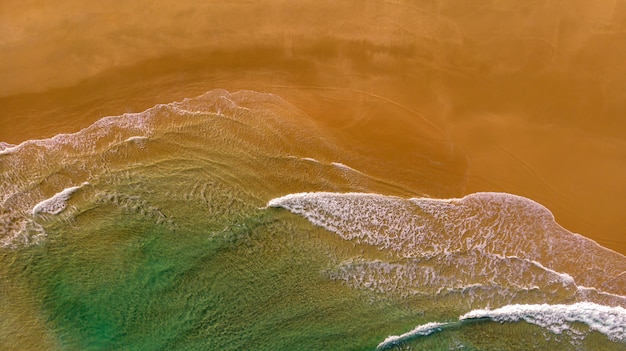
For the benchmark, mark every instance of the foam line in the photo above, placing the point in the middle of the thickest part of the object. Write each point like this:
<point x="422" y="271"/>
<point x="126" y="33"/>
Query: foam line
<point x="213" y="102"/>
<point x="610" y="321"/>
<point x="136" y="138"/>
<point x="5" y="145"/>
<point x="346" y="167"/>
<point x="486" y="272"/>
<point x="100" y="149"/>
<point x="615" y="297"/>
<point x="310" y="159"/>
<point x="57" y="203"/>
<point x="421" y="330"/>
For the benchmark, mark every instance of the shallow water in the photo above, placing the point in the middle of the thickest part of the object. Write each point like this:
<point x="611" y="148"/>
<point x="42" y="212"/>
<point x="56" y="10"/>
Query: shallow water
<point x="403" y="180"/>
<point x="166" y="229"/>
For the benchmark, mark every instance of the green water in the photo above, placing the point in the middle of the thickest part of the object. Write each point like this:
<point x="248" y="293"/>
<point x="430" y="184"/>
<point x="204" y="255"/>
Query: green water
<point x="116" y="281"/>
<point x="119" y="282"/>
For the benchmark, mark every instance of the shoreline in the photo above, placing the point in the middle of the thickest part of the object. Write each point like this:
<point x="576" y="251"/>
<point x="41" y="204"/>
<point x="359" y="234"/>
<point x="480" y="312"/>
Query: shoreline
<point x="518" y="115"/>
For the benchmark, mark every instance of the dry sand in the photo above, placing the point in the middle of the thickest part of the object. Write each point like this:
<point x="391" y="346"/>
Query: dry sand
<point x="525" y="97"/>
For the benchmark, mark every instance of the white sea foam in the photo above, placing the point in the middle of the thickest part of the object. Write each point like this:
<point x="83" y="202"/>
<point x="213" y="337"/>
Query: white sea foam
<point x="16" y="230"/>
<point x="102" y="149"/>
<point x="310" y="159"/>
<point x="8" y="148"/>
<point x="585" y="293"/>
<point x="610" y="321"/>
<point x="339" y="165"/>
<point x="57" y="203"/>
<point x="5" y="145"/>
<point x="422" y="330"/>
<point x="346" y="167"/>
<point x="492" y="274"/>
<point x="130" y="126"/>
<point x="596" y="291"/>
<point x="490" y="239"/>
<point x="563" y="277"/>
<point x="558" y="319"/>
<point x="136" y="138"/>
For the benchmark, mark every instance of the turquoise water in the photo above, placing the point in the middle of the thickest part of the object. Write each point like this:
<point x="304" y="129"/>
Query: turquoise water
<point x="173" y="229"/>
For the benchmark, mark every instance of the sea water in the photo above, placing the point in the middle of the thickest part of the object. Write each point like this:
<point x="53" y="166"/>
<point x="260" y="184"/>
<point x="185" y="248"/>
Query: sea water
<point x="230" y="222"/>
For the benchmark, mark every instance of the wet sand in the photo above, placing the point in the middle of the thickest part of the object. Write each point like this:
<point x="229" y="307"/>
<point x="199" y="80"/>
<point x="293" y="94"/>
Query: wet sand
<point x="514" y="96"/>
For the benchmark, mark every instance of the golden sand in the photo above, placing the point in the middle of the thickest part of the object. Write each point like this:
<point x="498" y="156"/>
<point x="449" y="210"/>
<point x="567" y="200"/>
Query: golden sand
<point x="514" y="96"/>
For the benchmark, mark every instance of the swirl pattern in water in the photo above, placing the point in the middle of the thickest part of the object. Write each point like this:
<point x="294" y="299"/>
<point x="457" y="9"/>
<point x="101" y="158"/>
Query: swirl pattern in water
<point x="231" y="221"/>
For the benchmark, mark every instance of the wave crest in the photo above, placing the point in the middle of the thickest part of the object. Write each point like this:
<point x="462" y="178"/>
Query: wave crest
<point x="557" y="319"/>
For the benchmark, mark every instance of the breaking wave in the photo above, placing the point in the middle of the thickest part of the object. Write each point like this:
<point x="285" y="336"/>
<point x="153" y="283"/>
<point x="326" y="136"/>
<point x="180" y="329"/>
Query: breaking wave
<point x="557" y="319"/>
<point x="497" y="243"/>
<point x="57" y="203"/>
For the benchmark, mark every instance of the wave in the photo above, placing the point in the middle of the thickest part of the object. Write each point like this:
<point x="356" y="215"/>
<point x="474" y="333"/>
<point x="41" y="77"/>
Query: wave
<point x="420" y="330"/>
<point x="557" y="319"/>
<point x="486" y="239"/>
<point x="57" y="203"/>
<point x="39" y="176"/>
<point x="255" y="142"/>
<point x="610" y="321"/>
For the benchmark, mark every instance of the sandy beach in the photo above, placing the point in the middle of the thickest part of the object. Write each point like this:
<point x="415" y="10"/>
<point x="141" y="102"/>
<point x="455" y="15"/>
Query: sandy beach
<point x="528" y="96"/>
